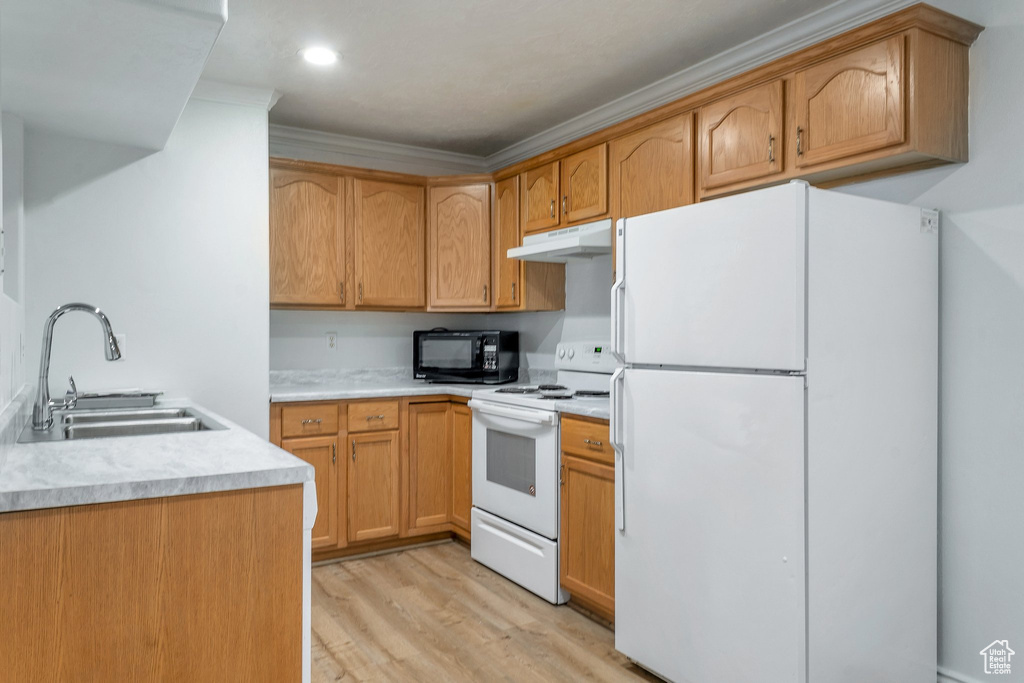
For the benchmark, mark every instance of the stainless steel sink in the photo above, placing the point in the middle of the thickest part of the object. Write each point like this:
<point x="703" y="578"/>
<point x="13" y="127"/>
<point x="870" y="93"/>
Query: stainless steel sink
<point x="73" y="417"/>
<point x="94" y="424"/>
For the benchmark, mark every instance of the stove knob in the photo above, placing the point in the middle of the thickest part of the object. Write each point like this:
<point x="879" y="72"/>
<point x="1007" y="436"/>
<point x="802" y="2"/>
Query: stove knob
<point x="561" y="352"/>
<point x="572" y="352"/>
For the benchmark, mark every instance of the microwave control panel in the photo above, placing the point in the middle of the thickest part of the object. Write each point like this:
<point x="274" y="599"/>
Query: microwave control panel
<point x="590" y="356"/>
<point x="490" y="353"/>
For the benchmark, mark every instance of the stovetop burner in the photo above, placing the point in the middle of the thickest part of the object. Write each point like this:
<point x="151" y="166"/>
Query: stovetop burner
<point x="552" y="387"/>
<point x="516" y="390"/>
<point x="555" y="397"/>
<point x="591" y="393"/>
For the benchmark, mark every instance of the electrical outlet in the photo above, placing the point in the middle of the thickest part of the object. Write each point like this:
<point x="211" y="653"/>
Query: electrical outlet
<point x="122" y="342"/>
<point x="332" y="341"/>
<point x="929" y="220"/>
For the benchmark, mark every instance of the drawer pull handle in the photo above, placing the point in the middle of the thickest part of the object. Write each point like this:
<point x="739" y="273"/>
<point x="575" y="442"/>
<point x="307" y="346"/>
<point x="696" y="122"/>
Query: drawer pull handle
<point x="593" y="443"/>
<point x="318" y="420"/>
<point x="374" y="417"/>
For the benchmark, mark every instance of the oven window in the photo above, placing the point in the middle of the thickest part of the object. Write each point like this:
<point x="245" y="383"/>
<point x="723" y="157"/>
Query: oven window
<point x="446" y="352"/>
<point x="512" y="461"/>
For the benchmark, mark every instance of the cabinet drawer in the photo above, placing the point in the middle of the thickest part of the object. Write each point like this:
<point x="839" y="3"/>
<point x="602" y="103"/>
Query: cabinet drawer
<point x="309" y="419"/>
<point x="372" y="416"/>
<point x="587" y="439"/>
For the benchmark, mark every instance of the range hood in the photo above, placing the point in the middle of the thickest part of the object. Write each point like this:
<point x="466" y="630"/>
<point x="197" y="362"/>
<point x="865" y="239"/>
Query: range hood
<point x="558" y="246"/>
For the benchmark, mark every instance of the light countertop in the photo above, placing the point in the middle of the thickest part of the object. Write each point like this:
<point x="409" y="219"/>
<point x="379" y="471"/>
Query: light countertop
<point x="86" y="471"/>
<point x="290" y="386"/>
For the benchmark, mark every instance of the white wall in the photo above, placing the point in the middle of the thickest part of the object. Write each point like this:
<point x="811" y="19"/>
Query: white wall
<point x="374" y="339"/>
<point x="173" y="246"/>
<point x="981" y="554"/>
<point x="12" y="282"/>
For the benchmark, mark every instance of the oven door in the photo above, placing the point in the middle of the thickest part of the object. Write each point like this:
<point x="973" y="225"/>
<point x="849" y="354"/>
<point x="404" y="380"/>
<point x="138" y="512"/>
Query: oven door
<point x="515" y="465"/>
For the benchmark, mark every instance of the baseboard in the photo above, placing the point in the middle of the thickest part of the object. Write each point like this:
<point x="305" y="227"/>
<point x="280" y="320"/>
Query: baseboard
<point x="949" y="676"/>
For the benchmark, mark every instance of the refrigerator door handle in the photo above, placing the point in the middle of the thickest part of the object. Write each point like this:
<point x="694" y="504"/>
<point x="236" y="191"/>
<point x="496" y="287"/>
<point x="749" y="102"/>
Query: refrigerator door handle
<point x="618" y="301"/>
<point x="619" y="446"/>
<point x="618" y="293"/>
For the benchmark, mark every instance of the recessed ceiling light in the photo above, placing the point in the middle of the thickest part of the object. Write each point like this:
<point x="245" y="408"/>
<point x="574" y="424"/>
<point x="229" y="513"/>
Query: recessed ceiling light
<point x="321" y="56"/>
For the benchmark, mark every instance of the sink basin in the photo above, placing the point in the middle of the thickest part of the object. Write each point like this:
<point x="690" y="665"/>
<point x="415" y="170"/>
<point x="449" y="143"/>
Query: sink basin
<point x="94" y="424"/>
<point x="138" y="427"/>
<point x="74" y="417"/>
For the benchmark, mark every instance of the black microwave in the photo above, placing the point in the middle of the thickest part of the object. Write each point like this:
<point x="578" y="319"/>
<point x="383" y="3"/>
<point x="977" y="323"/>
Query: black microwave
<point x="473" y="356"/>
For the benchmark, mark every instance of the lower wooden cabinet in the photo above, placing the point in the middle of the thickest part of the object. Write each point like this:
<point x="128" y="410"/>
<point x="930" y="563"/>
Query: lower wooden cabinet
<point x="587" y="534"/>
<point x="393" y="471"/>
<point x="462" y="468"/>
<point x="373" y="486"/>
<point x="200" y="588"/>
<point x="430" y="473"/>
<point x="322" y="453"/>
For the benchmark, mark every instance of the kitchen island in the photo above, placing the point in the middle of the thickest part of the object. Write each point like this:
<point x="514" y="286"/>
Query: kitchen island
<point x="160" y="557"/>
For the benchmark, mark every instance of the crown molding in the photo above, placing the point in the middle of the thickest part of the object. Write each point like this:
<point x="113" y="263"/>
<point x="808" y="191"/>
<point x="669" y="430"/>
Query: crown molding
<point x="347" y="150"/>
<point x="229" y="93"/>
<point x="829" y="21"/>
<point x="826" y="22"/>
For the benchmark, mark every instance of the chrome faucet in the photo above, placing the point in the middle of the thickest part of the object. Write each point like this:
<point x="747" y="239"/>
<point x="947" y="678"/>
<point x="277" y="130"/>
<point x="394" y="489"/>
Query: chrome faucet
<point x="42" y="412"/>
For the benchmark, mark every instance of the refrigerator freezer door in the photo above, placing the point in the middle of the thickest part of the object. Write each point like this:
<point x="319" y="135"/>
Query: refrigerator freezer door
<point x="718" y="284"/>
<point x="709" y="570"/>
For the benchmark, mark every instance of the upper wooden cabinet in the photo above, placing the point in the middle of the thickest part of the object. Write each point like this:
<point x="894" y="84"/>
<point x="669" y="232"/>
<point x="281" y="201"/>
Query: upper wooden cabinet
<point x="740" y="136"/>
<point x="388" y="235"/>
<point x="459" y="247"/>
<point x="508" y="289"/>
<point x="307" y="239"/>
<point x="850" y="104"/>
<point x="565" y="191"/>
<point x="539" y="200"/>
<point x="585" y="184"/>
<point x="520" y="285"/>
<point x="652" y="168"/>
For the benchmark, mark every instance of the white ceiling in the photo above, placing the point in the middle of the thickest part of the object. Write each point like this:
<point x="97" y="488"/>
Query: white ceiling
<point x="111" y="70"/>
<point x="473" y="76"/>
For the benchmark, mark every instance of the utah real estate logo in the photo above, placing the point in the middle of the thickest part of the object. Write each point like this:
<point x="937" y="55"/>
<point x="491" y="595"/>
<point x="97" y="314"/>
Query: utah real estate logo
<point x="997" y="657"/>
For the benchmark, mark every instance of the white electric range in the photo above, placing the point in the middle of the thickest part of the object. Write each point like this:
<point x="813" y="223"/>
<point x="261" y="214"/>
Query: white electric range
<point x="516" y="488"/>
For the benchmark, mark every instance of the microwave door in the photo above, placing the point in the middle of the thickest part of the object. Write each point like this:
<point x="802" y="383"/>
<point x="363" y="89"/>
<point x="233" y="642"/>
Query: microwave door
<point x="449" y="357"/>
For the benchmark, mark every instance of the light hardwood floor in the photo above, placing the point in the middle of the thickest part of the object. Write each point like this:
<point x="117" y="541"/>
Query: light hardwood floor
<point x="433" y="614"/>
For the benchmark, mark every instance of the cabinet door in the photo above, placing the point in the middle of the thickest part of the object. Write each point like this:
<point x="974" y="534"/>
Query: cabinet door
<point x="850" y="104"/>
<point x="652" y="168"/>
<point x="307" y="242"/>
<point x="430" y="465"/>
<point x="322" y="453"/>
<point x="585" y="184"/>
<point x="741" y="136"/>
<point x="539" y="197"/>
<point x="388" y="234"/>
<point x="462" y="465"/>
<point x="459" y="245"/>
<point x="373" y="486"/>
<point x="587" y="567"/>
<point x="508" y="272"/>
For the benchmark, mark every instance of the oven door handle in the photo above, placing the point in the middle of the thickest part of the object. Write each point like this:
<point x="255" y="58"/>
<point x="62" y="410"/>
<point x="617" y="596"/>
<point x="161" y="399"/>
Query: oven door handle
<point x="541" y="417"/>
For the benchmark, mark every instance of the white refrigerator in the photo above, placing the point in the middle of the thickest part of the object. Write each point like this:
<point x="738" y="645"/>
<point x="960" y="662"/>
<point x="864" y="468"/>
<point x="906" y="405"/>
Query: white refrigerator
<point x="774" y="418"/>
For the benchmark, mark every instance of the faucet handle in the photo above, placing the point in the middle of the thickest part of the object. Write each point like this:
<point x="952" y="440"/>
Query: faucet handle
<point x="71" y="397"/>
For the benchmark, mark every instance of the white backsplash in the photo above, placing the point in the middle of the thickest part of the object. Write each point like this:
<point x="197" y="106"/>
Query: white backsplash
<point x="370" y="339"/>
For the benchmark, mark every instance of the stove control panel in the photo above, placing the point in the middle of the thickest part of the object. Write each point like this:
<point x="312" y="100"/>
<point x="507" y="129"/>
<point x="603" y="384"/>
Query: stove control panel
<point x="587" y="356"/>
